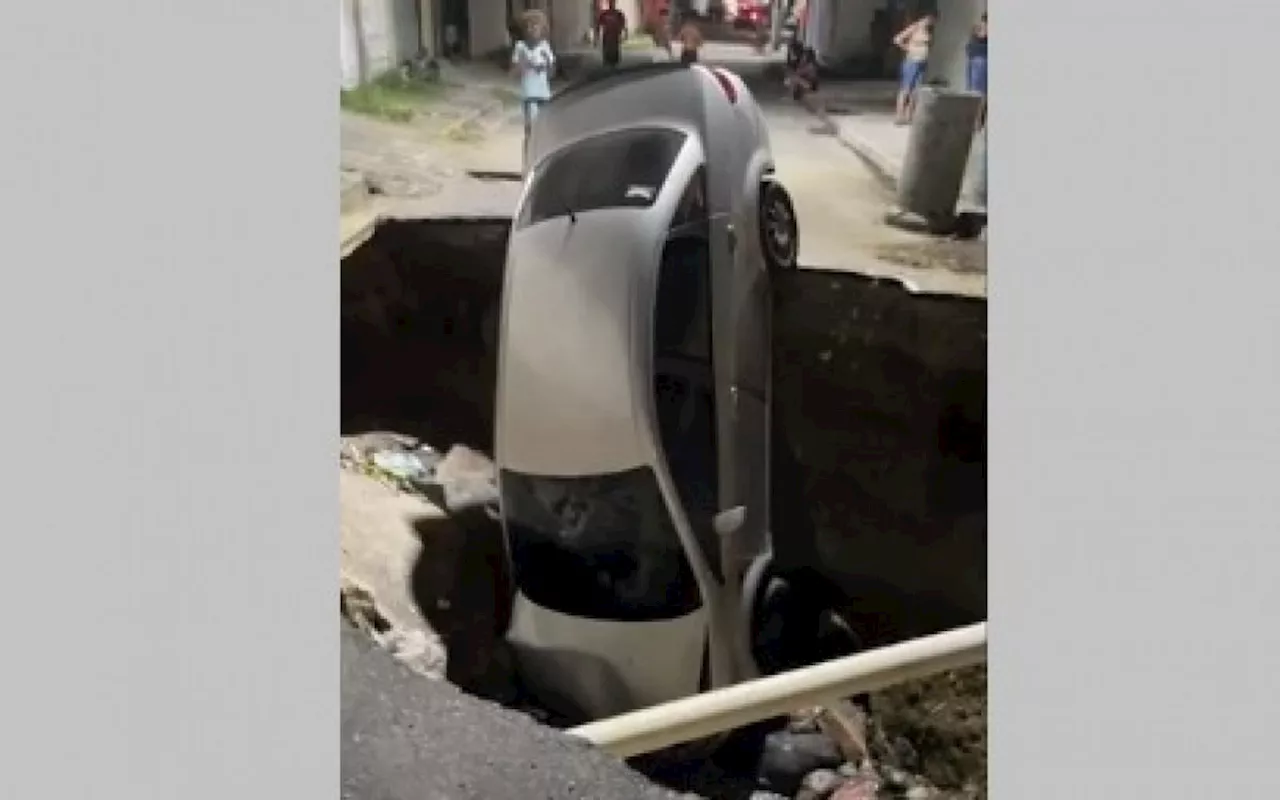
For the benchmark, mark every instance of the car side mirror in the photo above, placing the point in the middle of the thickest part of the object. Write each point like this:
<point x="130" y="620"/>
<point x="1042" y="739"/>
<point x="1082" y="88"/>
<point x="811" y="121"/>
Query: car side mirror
<point x="729" y="521"/>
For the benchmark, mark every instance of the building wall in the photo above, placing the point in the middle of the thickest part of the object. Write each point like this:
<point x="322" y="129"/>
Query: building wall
<point x="349" y="46"/>
<point x="848" y="31"/>
<point x="570" y="20"/>
<point x="488" y="22"/>
<point x="384" y="32"/>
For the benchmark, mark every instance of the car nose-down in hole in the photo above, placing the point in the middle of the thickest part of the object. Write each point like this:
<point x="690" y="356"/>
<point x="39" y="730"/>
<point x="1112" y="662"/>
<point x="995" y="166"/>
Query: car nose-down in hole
<point x="632" y="431"/>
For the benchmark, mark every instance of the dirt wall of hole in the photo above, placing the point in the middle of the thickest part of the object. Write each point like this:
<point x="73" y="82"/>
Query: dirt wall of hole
<point x="880" y="398"/>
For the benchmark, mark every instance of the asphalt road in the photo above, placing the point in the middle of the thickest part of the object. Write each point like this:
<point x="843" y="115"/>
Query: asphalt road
<point x="405" y="737"/>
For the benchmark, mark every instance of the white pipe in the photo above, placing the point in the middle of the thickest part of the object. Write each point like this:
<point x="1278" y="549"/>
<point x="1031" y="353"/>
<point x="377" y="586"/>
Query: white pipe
<point x="704" y="715"/>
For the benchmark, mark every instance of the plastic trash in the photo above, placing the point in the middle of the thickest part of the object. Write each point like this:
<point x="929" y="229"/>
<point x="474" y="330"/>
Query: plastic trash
<point x="400" y="464"/>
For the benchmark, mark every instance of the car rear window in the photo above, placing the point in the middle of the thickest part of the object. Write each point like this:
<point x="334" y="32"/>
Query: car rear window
<point x="602" y="547"/>
<point x="622" y="169"/>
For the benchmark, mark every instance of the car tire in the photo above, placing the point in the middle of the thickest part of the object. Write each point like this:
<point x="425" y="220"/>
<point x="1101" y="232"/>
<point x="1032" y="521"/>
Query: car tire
<point x="791" y="623"/>
<point x="779" y="228"/>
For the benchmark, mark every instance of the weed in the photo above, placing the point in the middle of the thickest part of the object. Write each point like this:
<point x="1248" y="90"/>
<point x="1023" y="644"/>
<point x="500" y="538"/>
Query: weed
<point x="391" y="96"/>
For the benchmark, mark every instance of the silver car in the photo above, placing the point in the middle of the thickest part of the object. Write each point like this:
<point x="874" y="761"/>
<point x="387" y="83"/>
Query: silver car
<point x="632" y="434"/>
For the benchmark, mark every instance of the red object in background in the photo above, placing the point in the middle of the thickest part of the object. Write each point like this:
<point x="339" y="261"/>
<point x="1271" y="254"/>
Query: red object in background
<point x="754" y="13"/>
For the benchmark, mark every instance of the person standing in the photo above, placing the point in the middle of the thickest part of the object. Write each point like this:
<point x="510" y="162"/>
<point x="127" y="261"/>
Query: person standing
<point x="690" y="41"/>
<point x="662" y="32"/>
<point x="977" y="72"/>
<point x="532" y="61"/>
<point x="611" y="30"/>
<point x="915" y="41"/>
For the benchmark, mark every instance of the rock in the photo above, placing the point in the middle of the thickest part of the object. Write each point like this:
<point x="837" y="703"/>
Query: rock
<point x="787" y="758"/>
<point x="819" y="785"/>
<point x="895" y="778"/>
<point x="904" y="754"/>
<point x="805" y="721"/>
<point x="845" y="723"/>
<point x="467" y="478"/>
<point x="767" y="796"/>
<point x="863" y="787"/>
<point x="920" y="792"/>
<point x="422" y="651"/>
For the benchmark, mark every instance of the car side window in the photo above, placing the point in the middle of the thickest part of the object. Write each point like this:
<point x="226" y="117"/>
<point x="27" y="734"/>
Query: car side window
<point x="621" y="169"/>
<point x="692" y="208"/>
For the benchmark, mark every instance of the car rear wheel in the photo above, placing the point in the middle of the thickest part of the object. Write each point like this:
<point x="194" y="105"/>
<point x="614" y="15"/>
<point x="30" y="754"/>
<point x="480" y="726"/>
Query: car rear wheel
<point x="779" y="228"/>
<point x="791" y="622"/>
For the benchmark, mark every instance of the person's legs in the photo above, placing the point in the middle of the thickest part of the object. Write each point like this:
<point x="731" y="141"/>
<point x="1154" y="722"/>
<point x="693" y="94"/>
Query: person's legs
<point x="978" y="75"/>
<point x="612" y="54"/>
<point x="978" y="83"/>
<point x="904" y="91"/>
<point x="912" y="75"/>
<point x="531" y="108"/>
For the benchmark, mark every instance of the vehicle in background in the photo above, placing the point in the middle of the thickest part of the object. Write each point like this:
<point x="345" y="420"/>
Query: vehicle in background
<point x="752" y="15"/>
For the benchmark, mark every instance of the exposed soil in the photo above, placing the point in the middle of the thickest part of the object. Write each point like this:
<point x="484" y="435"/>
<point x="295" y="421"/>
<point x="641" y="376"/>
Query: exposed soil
<point x="952" y="255"/>
<point x="936" y="728"/>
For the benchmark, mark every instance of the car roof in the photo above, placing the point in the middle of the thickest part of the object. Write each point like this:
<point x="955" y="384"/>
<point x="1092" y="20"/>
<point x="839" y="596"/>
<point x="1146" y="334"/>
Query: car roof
<point x="660" y="94"/>
<point x="601" y="79"/>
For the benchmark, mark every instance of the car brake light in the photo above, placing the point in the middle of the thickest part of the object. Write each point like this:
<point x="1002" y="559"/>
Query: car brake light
<point x="726" y="84"/>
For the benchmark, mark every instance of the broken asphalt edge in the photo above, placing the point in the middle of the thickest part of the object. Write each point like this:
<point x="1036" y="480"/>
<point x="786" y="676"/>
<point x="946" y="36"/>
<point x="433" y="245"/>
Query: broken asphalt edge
<point x="356" y="227"/>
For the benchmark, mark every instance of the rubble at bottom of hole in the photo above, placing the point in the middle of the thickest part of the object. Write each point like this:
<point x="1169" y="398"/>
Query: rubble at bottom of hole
<point x="421" y="651"/>
<point x="460" y="479"/>
<point x="802" y="762"/>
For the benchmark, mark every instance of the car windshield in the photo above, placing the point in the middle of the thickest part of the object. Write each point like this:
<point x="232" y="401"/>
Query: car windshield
<point x="602" y="547"/>
<point x="621" y="169"/>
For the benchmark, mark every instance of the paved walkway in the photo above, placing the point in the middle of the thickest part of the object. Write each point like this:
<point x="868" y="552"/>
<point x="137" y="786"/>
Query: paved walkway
<point x="405" y="737"/>
<point x="863" y="117"/>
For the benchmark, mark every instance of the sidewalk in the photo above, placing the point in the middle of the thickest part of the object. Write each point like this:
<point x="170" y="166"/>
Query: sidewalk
<point x="863" y="118"/>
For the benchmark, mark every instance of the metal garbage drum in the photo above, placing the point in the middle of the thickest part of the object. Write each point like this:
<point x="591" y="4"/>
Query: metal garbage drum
<point x="937" y="152"/>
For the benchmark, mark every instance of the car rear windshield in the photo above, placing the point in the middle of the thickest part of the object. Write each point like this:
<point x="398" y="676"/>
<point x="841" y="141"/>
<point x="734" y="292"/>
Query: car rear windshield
<point x="622" y="169"/>
<point x="602" y="547"/>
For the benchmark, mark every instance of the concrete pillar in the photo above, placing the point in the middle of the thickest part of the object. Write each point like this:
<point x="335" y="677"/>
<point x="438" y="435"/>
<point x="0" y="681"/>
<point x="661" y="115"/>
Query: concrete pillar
<point x="938" y="148"/>
<point x="427" y="27"/>
<point x="947" y="60"/>
<point x="351" y="48"/>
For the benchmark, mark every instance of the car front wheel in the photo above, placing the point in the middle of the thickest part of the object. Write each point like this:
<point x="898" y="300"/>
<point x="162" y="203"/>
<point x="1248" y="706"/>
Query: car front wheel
<point x="779" y="228"/>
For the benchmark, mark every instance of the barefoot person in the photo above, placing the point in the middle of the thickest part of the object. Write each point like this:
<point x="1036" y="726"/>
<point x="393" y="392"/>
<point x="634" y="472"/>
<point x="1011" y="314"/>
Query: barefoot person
<point x="611" y="30"/>
<point x="914" y="41"/>
<point x="662" y="32"/>
<point x="532" y="62"/>
<point x="803" y="82"/>
<point x="690" y="41"/>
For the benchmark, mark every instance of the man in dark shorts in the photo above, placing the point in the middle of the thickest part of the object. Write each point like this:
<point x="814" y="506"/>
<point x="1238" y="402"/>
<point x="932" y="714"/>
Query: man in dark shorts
<point x="611" y="29"/>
